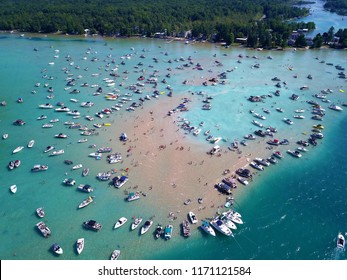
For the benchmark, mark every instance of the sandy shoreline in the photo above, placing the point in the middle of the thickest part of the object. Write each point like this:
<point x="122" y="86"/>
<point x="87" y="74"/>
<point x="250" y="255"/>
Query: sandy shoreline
<point x="170" y="166"/>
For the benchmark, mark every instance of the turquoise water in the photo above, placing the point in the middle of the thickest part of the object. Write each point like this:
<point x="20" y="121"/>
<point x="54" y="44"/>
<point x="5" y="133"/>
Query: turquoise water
<point x="293" y="210"/>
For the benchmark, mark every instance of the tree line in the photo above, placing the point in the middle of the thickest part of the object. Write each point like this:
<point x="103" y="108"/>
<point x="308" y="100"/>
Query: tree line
<point x="263" y="22"/>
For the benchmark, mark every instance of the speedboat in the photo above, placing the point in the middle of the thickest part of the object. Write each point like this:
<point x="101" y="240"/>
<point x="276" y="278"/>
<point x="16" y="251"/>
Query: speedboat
<point x="288" y="121"/>
<point x="146" y="226"/>
<point x="115" y="255"/>
<point x="69" y="182"/>
<point x="39" y="167"/>
<point x="85" y="172"/>
<point x="294" y="153"/>
<point x="86" y="202"/>
<point x="5" y="136"/>
<point x="277" y="154"/>
<point x="262" y="162"/>
<point x="18" y="149"/>
<point x="46" y="106"/>
<point x="340" y="241"/>
<point x="158" y="231"/>
<point x="257" y="123"/>
<point x="257" y="166"/>
<point x="60" y="135"/>
<point x="302" y="149"/>
<point x="92" y="224"/>
<point x="85" y="188"/>
<point x="192" y="217"/>
<point x="219" y="225"/>
<point x="104" y="176"/>
<point x="207" y="228"/>
<point x="133" y="196"/>
<point x="40" y="212"/>
<point x="335" y="107"/>
<point x="57" y="152"/>
<point x="119" y="181"/>
<point x="45" y="231"/>
<point x="57" y="249"/>
<point x="168" y="232"/>
<point x="49" y="148"/>
<point x="13" y="188"/>
<point x="120" y="222"/>
<point x="77" y="166"/>
<point x="31" y="143"/>
<point x="136" y="223"/>
<point x="80" y="245"/>
<point x="243" y="181"/>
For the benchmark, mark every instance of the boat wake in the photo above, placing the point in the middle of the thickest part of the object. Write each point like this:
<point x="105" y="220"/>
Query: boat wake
<point x="338" y="254"/>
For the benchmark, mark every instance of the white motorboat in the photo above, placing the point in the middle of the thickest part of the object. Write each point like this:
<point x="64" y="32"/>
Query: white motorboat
<point x="192" y="217"/>
<point x="60" y="135"/>
<point x="18" y="149"/>
<point x="207" y="228"/>
<point x="257" y="166"/>
<point x="40" y="212"/>
<point x="120" y="222"/>
<point x="79" y="245"/>
<point x="74" y="113"/>
<point x="302" y="149"/>
<point x="5" y="136"/>
<point x="86" y="202"/>
<point x="13" y="188"/>
<point x="288" y="121"/>
<point x="77" y="166"/>
<point x="57" y="249"/>
<point x="298" y="117"/>
<point x="49" y="148"/>
<point x="119" y="181"/>
<point x="243" y="181"/>
<point x="46" y="106"/>
<point x="335" y="107"/>
<point x="69" y="182"/>
<point x="133" y="196"/>
<point x="85" y="188"/>
<point x="31" y="143"/>
<point x="62" y="109"/>
<point x="45" y="231"/>
<point x="159" y="230"/>
<point x="95" y="155"/>
<point x="39" y="167"/>
<point x="136" y="223"/>
<point x="57" y="152"/>
<point x="257" y="123"/>
<point x="146" y="226"/>
<point x="340" y="241"/>
<point x="219" y="225"/>
<point x="47" y="125"/>
<point x="294" y="153"/>
<point x="115" y="255"/>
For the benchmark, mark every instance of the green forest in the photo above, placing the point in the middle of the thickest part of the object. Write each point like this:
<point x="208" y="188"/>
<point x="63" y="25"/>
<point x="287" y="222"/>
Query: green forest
<point x="336" y="6"/>
<point x="263" y="22"/>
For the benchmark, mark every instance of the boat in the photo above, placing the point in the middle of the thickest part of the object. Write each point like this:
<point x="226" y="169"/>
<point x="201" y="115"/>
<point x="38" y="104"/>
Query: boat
<point x="60" y="135"/>
<point x="288" y="121"/>
<point x="274" y="142"/>
<point x="85" y="172"/>
<point x="39" y="167"/>
<point x="168" y="232"/>
<point x="115" y="255"/>
<point x="277" y="154"/>
<point x="146" y="226"/>
<point x="45" y="231"/>
<point x="18" y="149"/>
<point x="5" y="136"/>
<point x="104" y="176"/>
<point x="69" y="182"/>
<point x="257" y="123"/>
<point x="46" y="106"/>
<point x="77" y="166"/>
<point x="119" y="181"/>
<point x="340" y="241"/>
<point x="79" y="245"/>
<point x="104" y="150"/>
<point x="47" y="125"/>
<point x="294" y="153"/>
<point x="19" y="122"/>
<point x="13" y="188"/>
<point x="123" y="137"/>
<point x="272" y="159"/>
<point x="85" y="188"/>
<point x="219" y="225"/>
<point x="335" y="107"/>
<point x="48" y="149"/>
<point x="256" y="166"/>
<point x="57" y="249"/>
<point x="205" y="226"/>
<point x="31" y="143"/>
<point x="136" y="223"/>
<point x="192" y="217"/>
<point x="302" y="149"/>
<point x="120" y="222"/>
<point x="262" y="162"/>
<point x="243" y="181"/>
<point x="133" y="196"/>
<point x="86" y="202"/>
<point x="40" y="212"/>
<point x="92" y="224"/>
<point x="57" y="152"/>
<point x="159" y="230"/>
<point x="95" y="155"/>
<point x="186" y="228"/>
